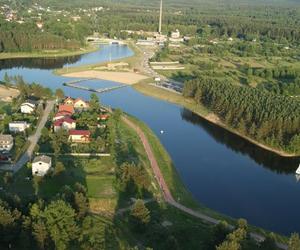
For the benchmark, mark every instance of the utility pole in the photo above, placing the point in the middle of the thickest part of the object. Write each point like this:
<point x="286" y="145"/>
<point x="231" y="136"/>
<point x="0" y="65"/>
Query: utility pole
<point x="160" y="16"/>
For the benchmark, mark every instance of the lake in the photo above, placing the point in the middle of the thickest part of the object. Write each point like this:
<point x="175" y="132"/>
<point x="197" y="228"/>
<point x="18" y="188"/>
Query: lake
<point x="222" y="171"/>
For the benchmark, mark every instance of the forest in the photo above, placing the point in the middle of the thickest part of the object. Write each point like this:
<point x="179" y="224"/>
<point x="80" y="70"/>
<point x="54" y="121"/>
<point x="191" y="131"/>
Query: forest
<point x="277" y="22"/>
<point x="263" y="116"/>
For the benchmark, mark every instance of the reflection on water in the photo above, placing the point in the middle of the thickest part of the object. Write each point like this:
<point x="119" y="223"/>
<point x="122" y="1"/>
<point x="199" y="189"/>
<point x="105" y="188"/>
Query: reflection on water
<point x="261" y="156"/>
<point x="38" y="63"/>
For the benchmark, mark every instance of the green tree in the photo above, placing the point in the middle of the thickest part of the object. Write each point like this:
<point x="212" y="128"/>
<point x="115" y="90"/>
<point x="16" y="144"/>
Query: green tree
<point x="92" y="235"/>
<point x="140" y="214"/>
<point x="59" y="168"/>
<point x="59" y="93"/>
<point x="94" y="103"/>
<point x="61" y="224"/>
<point x="81" y="205"/>
<point x="294" y="242"/>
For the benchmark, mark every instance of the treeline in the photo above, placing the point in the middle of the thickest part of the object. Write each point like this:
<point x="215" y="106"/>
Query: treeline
<point x="263" y="116"/>
<point x="32" y="90"/>
<point x="27" y="38"/>
<point x="288" y="79"/>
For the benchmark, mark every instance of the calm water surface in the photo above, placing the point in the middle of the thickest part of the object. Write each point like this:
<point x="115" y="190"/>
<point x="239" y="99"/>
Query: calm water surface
<point x="222" y="171"/>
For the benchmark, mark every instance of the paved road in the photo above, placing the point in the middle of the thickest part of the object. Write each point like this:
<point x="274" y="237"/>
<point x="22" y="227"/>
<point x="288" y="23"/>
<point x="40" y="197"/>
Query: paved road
<point x="33" y="141"/>
<point x="167" y="194"/>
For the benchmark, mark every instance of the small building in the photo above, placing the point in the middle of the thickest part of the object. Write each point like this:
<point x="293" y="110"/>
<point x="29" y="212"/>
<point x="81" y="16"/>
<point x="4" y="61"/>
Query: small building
<point x="103" y="117"/>
<point x="40" y="25"/>
<point x="28" y="107"/>
<point x="175" y="34"/>
<point x="69" y="101"/>
<point x="80" y="104"/>
<point x="6" y="142"/>
<point x="41" y="165"/>
<point x="66" y="108"/>
<point x="18" y="126"/>
<point x="80" y="136"/>
<point x="65" y="123"/>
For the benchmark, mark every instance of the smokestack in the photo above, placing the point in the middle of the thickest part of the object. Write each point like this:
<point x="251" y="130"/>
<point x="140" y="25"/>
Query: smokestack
<point x="160" y="16"/>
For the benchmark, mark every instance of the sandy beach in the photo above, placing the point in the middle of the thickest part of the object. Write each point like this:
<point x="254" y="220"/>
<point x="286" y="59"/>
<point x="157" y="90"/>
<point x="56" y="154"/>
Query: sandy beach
<point x="6" y="94"/>
<point x="121" y="77"/>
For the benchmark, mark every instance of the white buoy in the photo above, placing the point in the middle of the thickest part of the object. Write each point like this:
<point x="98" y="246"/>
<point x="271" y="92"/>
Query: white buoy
<point x="298" y="170"/>
<point x="161" y="131"/>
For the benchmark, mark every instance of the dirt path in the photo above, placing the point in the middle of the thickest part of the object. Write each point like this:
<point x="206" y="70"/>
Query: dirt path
<point x="167" y="194"/>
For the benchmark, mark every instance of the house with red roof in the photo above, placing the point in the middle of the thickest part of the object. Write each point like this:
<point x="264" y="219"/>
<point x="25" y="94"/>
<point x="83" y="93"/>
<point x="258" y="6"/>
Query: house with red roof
<point x="65" y="123"/>
<point x="66" y="108"/>
<point x="79" y="136"/>
<point x="61" y="115"/>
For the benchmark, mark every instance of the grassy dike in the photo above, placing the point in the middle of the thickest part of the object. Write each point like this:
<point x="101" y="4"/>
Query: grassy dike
<point x="49" y="53"/>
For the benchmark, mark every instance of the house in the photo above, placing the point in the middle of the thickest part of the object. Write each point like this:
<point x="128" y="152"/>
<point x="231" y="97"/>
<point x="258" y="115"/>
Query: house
<point x="66" y="123"/>
<point x="6" y="142"/>
<point x="175" y="34"/>
<point x="28" y="107"/>
<point x="69" y="101"/>
<point x="80" y="136"/>
<point x="103" y="117"/>
<point x="80" y="104"/>
<point x="41" y="165"/>
<point x="40" y="25"/>
<point x="18" y="126"/>
<point x="66" y="108"/>
<point x="61" y="115"/>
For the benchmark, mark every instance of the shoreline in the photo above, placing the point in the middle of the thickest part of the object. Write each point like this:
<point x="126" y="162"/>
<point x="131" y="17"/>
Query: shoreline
<point x="55" y="54"/>
<point x="203" y="113"/>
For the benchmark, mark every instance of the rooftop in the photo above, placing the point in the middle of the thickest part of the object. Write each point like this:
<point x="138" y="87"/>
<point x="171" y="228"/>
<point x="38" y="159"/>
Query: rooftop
<point x="42" y="158"/>
<point x="80" y="132"/>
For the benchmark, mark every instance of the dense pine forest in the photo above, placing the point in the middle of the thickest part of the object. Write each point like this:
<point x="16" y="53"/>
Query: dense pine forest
<point x="243" y="19"/>
<point x="262" y="116"/>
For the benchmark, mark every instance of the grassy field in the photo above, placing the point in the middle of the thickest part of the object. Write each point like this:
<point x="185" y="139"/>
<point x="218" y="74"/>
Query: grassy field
<point x="49" y="53"/>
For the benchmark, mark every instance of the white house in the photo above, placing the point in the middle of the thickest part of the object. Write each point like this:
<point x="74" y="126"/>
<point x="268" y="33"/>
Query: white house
<point x="66" y="123"/>
<point x="41" y="165"/>
<point x="6" y="142"/>
<point x="80" y="104"/>
<point x="175" y="34"/>
<point x="17" y="127"/>
<point x="28" y="107"/>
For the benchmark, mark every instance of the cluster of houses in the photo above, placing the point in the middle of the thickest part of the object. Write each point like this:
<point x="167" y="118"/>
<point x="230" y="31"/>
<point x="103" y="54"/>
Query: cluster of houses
<point x="7" y="140"/>
<point x="63" y="119"/>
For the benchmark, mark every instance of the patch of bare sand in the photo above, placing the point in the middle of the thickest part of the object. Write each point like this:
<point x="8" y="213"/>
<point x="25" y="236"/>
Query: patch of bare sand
<point x="7" y="94"/>
<point x="121" y="77"/>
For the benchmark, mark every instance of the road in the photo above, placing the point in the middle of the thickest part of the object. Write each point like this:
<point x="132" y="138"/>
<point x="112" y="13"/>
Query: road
<point x="33" y="141"/>
<point x="167" y="194"/>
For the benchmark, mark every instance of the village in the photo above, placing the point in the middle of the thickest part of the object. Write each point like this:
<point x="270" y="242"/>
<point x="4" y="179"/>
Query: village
<point x="80" y="124"/>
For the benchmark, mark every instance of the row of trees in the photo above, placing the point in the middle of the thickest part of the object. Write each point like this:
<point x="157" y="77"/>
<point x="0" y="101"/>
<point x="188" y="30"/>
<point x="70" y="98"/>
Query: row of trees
<point x="263" y="116"/>
<point x="62" y="223"/>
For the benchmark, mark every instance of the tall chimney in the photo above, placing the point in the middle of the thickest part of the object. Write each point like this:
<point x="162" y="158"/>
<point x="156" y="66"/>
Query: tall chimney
<point x="160" y="16"/>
